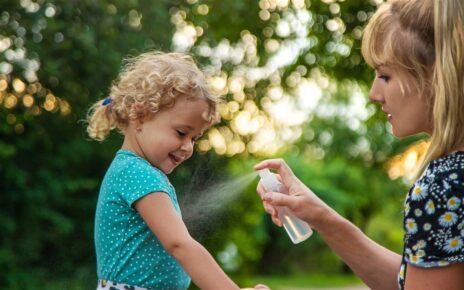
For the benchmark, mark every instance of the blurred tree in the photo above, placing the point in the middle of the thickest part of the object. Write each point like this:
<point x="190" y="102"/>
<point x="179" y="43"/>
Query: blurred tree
<point x="56" y="58"/>
<point x="292" y="79"/>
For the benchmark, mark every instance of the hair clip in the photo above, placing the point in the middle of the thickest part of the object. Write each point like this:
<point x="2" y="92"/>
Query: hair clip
<point x="107" y="101"/>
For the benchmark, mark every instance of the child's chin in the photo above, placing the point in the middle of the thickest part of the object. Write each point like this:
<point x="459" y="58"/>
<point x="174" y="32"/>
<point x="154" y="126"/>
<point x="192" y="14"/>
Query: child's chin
<point x="165" y="170"/>
<point x="168" y="170"/>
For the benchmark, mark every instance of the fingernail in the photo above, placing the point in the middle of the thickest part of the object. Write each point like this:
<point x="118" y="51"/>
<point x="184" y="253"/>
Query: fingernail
<point x="268" y="196"/>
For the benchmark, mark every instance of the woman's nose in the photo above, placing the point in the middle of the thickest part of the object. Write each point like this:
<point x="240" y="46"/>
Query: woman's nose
<point x="375" y="96"/>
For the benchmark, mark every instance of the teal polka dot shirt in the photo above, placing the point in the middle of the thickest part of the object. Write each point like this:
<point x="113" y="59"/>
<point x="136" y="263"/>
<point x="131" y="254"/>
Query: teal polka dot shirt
<point x="127" y="250"/>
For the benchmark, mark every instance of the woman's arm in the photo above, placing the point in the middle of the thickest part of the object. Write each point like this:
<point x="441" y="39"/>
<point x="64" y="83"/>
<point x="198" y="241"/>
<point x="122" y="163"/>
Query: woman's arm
<point x="438" y="278"/>
<point x="158" y="212"/>
<point x="377" y="266"/>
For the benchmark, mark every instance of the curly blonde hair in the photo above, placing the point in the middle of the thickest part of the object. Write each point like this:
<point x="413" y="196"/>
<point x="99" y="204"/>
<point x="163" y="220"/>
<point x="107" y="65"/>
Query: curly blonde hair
<point x="146" y="84"/>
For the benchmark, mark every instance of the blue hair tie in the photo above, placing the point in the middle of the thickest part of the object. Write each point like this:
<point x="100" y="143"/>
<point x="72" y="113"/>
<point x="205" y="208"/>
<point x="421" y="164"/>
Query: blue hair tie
<point x="107" y="101"/>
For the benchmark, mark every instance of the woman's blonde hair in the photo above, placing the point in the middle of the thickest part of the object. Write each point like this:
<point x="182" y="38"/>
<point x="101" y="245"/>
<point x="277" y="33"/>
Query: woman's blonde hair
<point x="146" y="84"/>
<point x="425" y="38"/>
<point x="400" y="34"/>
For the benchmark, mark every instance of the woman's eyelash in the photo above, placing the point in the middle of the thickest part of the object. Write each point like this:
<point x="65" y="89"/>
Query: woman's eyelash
<point x="384" y="77"/>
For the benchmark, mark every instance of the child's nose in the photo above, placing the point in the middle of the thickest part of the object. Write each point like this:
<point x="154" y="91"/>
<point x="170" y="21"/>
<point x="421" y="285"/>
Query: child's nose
<point x="187" y="146"/>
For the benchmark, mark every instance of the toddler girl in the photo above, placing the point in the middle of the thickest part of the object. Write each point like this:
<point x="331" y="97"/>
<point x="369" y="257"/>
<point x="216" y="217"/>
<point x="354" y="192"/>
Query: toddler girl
<point x="160" y="103"/>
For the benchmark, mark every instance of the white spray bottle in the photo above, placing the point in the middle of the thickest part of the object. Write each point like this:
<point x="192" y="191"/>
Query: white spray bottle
<point x="297" y="229"/>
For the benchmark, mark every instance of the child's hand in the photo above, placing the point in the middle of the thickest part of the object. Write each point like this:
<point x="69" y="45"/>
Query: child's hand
<point x="258" y="287"/>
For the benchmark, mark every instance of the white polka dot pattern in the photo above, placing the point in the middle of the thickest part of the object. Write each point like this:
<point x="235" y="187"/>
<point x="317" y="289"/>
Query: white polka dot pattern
<point x="127" y="250"/>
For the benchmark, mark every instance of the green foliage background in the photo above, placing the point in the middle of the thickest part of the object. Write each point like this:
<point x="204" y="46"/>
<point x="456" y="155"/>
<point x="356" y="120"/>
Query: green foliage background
<point x="50" y="171"/>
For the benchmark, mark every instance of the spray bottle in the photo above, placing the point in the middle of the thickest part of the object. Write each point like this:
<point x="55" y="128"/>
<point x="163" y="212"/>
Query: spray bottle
<point x="297" y="229"/>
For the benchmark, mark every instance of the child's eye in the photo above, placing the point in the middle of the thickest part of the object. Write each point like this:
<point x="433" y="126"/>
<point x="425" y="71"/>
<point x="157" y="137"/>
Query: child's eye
<point x="181" y="133"/>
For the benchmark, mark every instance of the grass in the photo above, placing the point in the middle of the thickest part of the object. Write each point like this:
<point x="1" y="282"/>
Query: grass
<point x="305" y="281"/>
<point x="85" y="279"/>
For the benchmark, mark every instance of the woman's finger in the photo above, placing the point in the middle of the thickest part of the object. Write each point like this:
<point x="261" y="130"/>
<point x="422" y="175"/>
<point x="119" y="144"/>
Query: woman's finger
<point x="276" y="221"/>
<point x="280" y="166"/>
<point x="269" y="209"/>
<point x="279" y="199"/>
<point x="260" y="189"/>
<point x="272" y="211"/>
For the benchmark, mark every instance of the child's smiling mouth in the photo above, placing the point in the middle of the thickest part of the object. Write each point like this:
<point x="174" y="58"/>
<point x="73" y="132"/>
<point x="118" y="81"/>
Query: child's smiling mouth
<point x="174" y="159"/>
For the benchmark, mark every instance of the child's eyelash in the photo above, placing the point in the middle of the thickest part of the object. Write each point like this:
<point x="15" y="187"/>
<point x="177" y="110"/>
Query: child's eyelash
<point x="183" y="134"/>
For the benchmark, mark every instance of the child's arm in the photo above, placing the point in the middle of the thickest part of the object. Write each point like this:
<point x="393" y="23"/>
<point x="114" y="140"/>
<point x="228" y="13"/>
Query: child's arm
<point x="158" y="212"/>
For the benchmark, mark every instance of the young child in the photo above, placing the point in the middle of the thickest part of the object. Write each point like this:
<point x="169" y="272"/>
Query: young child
<point x="161" y="104"/>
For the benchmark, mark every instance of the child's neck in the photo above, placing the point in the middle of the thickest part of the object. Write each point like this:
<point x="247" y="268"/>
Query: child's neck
<point x="130" y="143"/>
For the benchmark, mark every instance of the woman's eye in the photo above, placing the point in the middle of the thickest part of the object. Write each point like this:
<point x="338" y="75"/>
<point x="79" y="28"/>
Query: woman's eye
<point x="180" y="133"/>
<point x="384" y="78"/>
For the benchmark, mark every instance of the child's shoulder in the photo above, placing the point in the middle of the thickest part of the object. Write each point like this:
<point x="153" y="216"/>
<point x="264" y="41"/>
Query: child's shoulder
<point x="127" y="164"/>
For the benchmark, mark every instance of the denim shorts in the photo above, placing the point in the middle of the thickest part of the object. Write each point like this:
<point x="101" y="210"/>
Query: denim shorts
<point x="110" y="285"/>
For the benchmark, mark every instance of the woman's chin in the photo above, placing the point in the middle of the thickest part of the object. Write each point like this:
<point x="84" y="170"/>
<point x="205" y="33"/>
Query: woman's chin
<point x="403" y="134"/>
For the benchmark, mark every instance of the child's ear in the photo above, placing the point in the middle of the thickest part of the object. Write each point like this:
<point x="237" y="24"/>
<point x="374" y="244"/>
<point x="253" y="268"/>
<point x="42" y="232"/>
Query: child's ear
<point x="136" y="124"/>
<point x="139" y="116"/>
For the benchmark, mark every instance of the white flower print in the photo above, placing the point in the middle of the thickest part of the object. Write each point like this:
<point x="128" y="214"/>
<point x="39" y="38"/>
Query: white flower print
<point x="430" y="207"/>
<point x="402" y="271"/>
<point x="419" y="192"/>
<point x="453" y="203"/>
<point x="434" y="216"/>
<point x="406" y="209"/>
<point x="421" y="244"/>
<point x="446" y="185"/>
<point x="414" y="259"/>
<point x="453" y="245"/>
<point x="411" y="226"/>
<point x="427" y="227"/>
<point x="443" y="263"/>
<point x="448" y="219"/>
<point x="420" y="253"/>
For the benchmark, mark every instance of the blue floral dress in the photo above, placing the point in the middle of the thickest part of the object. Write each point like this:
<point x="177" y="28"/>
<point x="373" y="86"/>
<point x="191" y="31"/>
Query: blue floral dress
<point x="434" y="217"/>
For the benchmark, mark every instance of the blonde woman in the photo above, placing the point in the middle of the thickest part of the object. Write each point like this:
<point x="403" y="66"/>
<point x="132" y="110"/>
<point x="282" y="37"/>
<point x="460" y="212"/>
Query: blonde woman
<point x="417" y="50"/>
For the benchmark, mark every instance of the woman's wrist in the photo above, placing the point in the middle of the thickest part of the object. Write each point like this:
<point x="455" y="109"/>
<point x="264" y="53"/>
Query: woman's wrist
<point x="328" y="221"/>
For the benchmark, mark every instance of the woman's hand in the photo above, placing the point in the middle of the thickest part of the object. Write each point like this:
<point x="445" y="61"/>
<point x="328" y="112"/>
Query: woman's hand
<point x="298" y="197"/>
